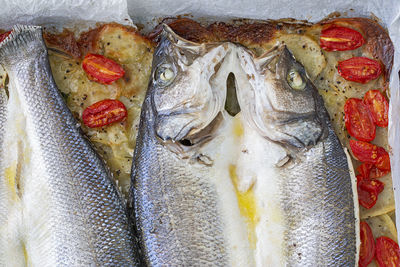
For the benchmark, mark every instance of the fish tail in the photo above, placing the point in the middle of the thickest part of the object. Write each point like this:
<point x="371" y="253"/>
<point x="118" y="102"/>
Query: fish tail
<point x="19" y="41"/>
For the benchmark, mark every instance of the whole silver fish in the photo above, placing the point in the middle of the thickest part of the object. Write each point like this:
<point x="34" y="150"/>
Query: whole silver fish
<point x="176" y="192"/>
<point x="65" y="208"/>
<point x="269" y="186"/>
<point x="312" y="186"/>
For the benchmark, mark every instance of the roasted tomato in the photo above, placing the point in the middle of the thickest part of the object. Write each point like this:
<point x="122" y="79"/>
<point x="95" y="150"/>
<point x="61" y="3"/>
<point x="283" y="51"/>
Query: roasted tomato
<point x="377" y="173"/>
<point x="367" y="248"/>
<point x="387" y="252"/>
<point x="369" y="153"/>
<point x="336" y="38"/>
<point x="369" y="171"/>
<point x="359" y="69"/>
<point x="372" y="185"/>
<point x="367" y="199"/>
<point x="102" y="69"/>
<point x="368" y="191"/>
<point x="378" y="106"/>
<point x="383" y="162"/>
<point x="4" y="36"/>
<point x="103" y="113"/>
<point x="358" y="120"/>
<point x="364" y="170"/>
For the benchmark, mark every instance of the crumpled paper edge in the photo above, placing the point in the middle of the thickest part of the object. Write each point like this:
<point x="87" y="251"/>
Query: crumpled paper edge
<point x="63" y="13"/>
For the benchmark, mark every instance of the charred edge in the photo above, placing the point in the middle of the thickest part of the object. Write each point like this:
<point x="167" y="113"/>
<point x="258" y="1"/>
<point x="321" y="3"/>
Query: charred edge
<point x="20" y="36"/>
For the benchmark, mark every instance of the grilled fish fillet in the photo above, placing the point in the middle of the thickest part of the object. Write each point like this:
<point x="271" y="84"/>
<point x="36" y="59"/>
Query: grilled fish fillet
<point x="59" y="206"/>
<point x="269" y="186"/>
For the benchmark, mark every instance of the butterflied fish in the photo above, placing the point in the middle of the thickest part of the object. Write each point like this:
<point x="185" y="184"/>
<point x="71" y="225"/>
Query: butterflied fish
<point x="267" y="187"/>
<point x="59" y="206"/>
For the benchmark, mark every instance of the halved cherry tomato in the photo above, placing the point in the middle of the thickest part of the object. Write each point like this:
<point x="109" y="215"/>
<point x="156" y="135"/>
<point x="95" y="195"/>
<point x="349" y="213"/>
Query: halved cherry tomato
<point x="372" y="185"/>
<point x="103" y="113"/>
<point x="367" y="248"/>
<point x="387" y="252"/>
<point x="358" y="120"/>
<point x="359" y="69"/>
<point x="4" y="36"/>
<point x="366" y="152"/>
<point x="363" y="151"/>
<point x="364" y="170"/>
<point x="383" y="162"/>
<point x="360" y="178"/>
<point x="102" y="69"/>
<point x="377" y="173"/>
<point x="369" y="171"/>
<point x="367" y="199"/>
<point x="336" y="38"/>
<point x="378" y="106"/>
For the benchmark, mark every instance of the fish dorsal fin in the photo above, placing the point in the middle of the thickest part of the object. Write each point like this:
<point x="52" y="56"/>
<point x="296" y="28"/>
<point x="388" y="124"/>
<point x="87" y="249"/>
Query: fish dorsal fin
<point x="181" y="43"/>
<point x="268" y="59"/>
<point x="19" y="42"/>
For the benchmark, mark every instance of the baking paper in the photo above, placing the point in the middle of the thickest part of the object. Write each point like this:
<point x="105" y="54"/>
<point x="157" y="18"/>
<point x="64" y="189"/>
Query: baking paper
<point x="66" y="13"/>
<point x="144" y="12"/>
<point x="387" y="11"/>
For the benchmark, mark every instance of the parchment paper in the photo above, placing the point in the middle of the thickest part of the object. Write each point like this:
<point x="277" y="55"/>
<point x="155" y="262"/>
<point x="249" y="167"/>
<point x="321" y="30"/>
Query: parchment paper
<point x="313" y="10"/>
<point x="388" y="11"/>
<point x="66" y="13"/>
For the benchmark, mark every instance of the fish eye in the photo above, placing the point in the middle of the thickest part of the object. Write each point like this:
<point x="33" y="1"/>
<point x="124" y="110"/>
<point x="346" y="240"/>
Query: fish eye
<point x="164" y="74"/>
<point x="295" y="80"/>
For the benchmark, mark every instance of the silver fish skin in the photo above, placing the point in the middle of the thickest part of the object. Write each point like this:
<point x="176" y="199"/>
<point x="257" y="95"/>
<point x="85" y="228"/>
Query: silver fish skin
<point x="67" y="210"/>
<point x="3" y="195"/>
<point x="314" y="192"/>
<point x="176" y="191"/>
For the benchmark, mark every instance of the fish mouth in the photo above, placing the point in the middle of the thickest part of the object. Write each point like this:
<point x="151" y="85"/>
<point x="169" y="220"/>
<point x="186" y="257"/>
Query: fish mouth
<point x="190" y="139"/>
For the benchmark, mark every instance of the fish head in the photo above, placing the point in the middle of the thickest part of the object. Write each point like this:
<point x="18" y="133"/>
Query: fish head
<point x="185" y="100"/>
<point x="281" y="101"/>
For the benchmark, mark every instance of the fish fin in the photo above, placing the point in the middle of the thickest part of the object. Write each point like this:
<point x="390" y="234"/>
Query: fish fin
<point x="19" y="38"/>
<point x="176" y="39"/>
<point x="181" y="43"/>
<point x="268" y="57"/>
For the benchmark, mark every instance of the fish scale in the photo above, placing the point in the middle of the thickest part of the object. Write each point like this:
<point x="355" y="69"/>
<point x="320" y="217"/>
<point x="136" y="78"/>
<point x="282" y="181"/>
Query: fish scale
<point x="324" y="202"/>
<point x="71" y="211"/>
